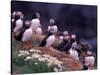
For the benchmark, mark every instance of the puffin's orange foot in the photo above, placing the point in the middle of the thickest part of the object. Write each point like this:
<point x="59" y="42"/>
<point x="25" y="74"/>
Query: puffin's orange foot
<point x="27" y="45"/>
<point x="30" y="45"/>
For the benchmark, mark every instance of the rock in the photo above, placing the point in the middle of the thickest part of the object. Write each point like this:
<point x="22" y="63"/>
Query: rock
<point x="68" y="62"/>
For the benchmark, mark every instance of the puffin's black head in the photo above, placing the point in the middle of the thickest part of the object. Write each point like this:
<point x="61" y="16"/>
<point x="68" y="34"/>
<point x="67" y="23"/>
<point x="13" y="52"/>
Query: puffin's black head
<point x="73" y="37"/>
<point x="17" y="17"/>
<point x="52" y="22"/>
<point x="35" y="15"/>
<point x="49" y="34"/>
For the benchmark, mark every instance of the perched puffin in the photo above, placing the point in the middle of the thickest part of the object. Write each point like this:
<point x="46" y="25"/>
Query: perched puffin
<point x="48" y="41"/>
<point x="17" y="22"/>
<point x="73" y="53"/>
<point x="27" y="38"/>
<point x="35" y="22"/>
<point x="25" y="35"/>
<point x="71" y="41"/>
<point x="66" y="41"/>
<point x="52" y="28"/>
<point x="73" y="38"/>
<point x="17" y="25"/>
<point x="13" y="20"/>
<point x="89" y="60"/>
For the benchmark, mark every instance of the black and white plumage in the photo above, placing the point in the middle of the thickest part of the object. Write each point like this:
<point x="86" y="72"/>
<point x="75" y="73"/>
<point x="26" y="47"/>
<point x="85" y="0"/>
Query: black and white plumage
<point x="35" y="22"/>
<point x="89" y="60"/>
<point x="48" y="40"/>
<point x="19" y="25"/>
<point x="52" y="28"/>
<point x="17" y="22"/>
<point x="65" y="44"/>
<point x="74" y="54"/>
<point x="68" y="42"/>
<point x="72" y="43"/>
<point x="27" y="35"/>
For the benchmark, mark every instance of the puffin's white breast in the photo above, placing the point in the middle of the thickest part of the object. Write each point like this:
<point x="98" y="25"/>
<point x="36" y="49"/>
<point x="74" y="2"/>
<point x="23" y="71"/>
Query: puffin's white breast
<point x="35" y="23"/>
<point x="19" y="24"/>
<point x="50" y="40"/>
<point x="74" y="54"/>
<point x="27" y="35"/>
<point x="89" y="60"/>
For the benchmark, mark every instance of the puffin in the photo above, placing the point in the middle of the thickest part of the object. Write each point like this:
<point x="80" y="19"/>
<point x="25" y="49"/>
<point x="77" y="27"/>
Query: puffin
<point x="73" y="53"/>
<point x="48" y="41"/>
<point x="17" y="22"/>
<point x="52" y="28"/>
<point x="27" y="38"/>
<point x="35" y="22"/>
<point x="25" y="35"/>
<point x="66" y="41"/>
<point x="17" y="25"/>
<point x="71" y="40"/>
<point x="89" y="60"/>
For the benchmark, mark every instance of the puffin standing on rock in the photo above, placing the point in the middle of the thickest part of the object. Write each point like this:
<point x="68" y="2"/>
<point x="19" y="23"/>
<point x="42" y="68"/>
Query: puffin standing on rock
<point x="52" y="28"/>
<point x="22" y="31"/>
<point x="90" y="60"/>
<point x="73" y="52"/>
<point x="48" y="41"/>
<point x="35" y="23"/>
<point x="66" y="41"/>
<point x="27" y="36"/>
<point x="17" y="23"/>
<point x="50" y="38"/>
<point x="71" y="40"/>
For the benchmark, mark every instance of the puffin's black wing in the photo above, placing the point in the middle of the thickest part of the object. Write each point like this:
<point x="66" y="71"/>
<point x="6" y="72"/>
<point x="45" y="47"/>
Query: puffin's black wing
<point x="19" y="37"/>
<point x="43" y="43"/>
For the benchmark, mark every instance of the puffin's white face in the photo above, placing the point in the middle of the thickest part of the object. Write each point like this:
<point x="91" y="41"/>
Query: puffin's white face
<point x="52" y="21"/>
<point x="67" y="37"/>
<point x="20" y="13"/>
<point x="89" y="53"/>
<point x="14" y="13"/>
<point x="38" y="15"/>
<point x="65" y="33"/>
<point x="73" y="36"/>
